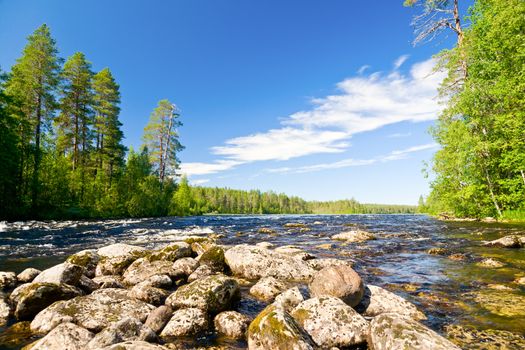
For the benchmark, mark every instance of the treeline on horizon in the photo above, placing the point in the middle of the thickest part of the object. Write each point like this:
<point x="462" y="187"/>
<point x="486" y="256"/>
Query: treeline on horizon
<point x="480" y="167"/>
<point x="62" y="156"/>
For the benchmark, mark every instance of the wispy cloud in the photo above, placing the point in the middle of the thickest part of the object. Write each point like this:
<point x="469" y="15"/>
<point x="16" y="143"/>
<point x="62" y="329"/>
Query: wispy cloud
<point x="191" y="169"/>
<point x="198" y="182"/>
<point x="362" y="69"/>
<point x="399" y="135"/>
<point x="400" y="60"/>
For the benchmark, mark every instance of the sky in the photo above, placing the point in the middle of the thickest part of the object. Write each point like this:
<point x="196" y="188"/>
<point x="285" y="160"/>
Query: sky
<point x="320" y="99"/>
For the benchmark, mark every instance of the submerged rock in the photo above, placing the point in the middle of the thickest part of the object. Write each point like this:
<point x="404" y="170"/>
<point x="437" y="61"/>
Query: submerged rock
<point x="28" y="275"/>
<point x="486" y="339"/>
<point x="254" y="262"/>
<point x="491" y="263"/>
<point x="377" y="301"/>
<point x="8" y="280"/>
<point x="267" y="288"/>
<point x="126" y="329"/>
<point x="231" y="324"/>
<point x="289" y="299"/>
<point x="66" y="336"/>
<point x="274" y="328"/>
<point x="354" y="236"/>
<point x="391" y="331"/>
<point x="340" y="282"/>
<point x="502" y="303"/>
<point x="511" y="241"/>
<point x="158" y="318"/>
<point x="437" y="251"/>
<point x="331" y="323"/>
<point x="185" y="322"/>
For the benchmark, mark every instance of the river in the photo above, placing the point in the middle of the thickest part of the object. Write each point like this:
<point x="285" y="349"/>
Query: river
<point x="449" y="291"/>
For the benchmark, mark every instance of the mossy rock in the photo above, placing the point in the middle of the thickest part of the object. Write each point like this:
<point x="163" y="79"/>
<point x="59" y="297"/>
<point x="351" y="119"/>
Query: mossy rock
<point x="171" y="252"/>
<point x="214" y="258"/>
<point x="88" y="259"/>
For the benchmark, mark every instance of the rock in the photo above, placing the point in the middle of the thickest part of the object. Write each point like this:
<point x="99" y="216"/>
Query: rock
<point x="135" y="345"/>
<point x="294" y="252"/>
<point x="354" y="236"/>
<point x="8" y="280"/>
<point x="88" y="259"/>
<point x="5" y="311"/>
<point x="114" y="266"/>
<point x="487" y="339"/>
<point x="266" y="230"/>
<point x="31" y="298"/>
<point x="66" y="336"/>
<point x="159" y="281"/>
<point x="126" y="329"/>
<point x="274" y="328"/>
<point x="437" y="251"/>
<point x="501" y="303"/>
<point x="185" y="266"/>
<point x="213" y="294"/>
<point x="392" y="331"/>
<point x="289" y="299"/>
<point x="201" y="245"/>
<point x="171" y="252"/>
<point x="87" y="285"/>
<point x="62" y="273"/>
<point x="120" y="249"/>
<point x="511" y="241"/>
<point x="151" y="295"/>
<point x="93" y="312"/>
<point x="158" y="318"/>
<point x="326" y="246"/>
<point x="319" y="264"/>
<point x="28" y="275"/>
<point x="265" y="245"/>
<point x="330" y="322"/>
<point x="142" y="269"/>
<point x="457" y="257"/>
<point x="201" y="272"/>
<point x="185" y="322"/>
<point x="214" y="258"/>
<point x="267" y="288"/>
<point x="232" y="324"/>
<point x="340" y="282"/>
<point x="377" y="301"/>
<point x="295" y="225"/>
<point x="255" y="262"/>
<point x="109" y="281"/>
<point x="490" y="263"/>
<point x="520" y="280"/>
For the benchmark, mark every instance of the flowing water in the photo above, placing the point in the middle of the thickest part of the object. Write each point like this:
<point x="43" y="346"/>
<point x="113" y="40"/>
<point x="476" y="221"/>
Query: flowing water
<point x="449" y="291"/>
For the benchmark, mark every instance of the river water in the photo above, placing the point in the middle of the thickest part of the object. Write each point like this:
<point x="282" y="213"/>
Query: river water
<point x="449" y="291"/>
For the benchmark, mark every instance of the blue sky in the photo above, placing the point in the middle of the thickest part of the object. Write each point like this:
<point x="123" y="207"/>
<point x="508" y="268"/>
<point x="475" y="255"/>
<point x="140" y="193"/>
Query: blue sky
<point x="321" y="99"/>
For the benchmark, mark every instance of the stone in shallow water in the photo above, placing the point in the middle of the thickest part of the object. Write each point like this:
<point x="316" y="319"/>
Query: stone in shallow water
<point x="487" y="339"/>
<point x="185" y="322"/>
<point x="491" y="263"/>
<point x="502" y="303"/>
<point x="62" y="273"/>
<point x="391" y="331"/>
<point x="340" y="282"/>
<point x="295" y="252"/>
<point x="330" y="322"/>
<point x="319" y="264"/>
<point x="232" y="324"/>
<point x="64" y="336"/>
<point x="354" y="236"/>
<point x="511" y="241"/>
<point x="267" y="288"/>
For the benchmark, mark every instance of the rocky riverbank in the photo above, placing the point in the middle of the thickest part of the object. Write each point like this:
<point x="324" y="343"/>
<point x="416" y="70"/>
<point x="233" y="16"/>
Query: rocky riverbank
<point x="128" y="297"/>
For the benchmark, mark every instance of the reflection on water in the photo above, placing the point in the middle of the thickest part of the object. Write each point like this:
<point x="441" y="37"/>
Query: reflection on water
<point x="449" y="291"/>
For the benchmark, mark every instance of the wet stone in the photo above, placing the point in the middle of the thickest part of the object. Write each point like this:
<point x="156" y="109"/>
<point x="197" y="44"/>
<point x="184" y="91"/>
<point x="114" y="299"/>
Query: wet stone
<point x="340" y="282"/>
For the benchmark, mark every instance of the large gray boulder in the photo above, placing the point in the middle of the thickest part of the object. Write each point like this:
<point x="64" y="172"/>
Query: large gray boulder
<point x="28" y="275"/>
<point x="120" y="249"/>
<point x="62" y="273"/>
<point x="511" y="241"/>
<point x="232" y="324"/>
<point x="142" y="269"/>
<point x="289" y="299"/>
<point x="151" y="295"/>
<point x="391" y="331"/>
<point x="377" y="301"/>
<point x="185" y="322"/>
<point x="274" y="328"/>
<point x="115" y="258"/>
<point x="331" y="323"/>
<point x="66" y="336"/>
<point x="93" y="312"/>
<point x="340" y="282"/>
<point x="88" y="259"/>
<point x="254" y="262"/>
<point x="171" y="252"/>
<point x="126" y="329"/>
<point x="31" y="298"/>
<point x="185" y="266"/>
<point x="213" y="294"/>
<point x="267" y="288"/>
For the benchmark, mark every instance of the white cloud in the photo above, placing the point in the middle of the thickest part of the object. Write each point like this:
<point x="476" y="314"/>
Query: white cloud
<point x="400" y="60"/>
<point x="207" y="168"/>
<point x="362" y="69"/>
<point x="198" y="182"/>
<point x="399" y="135"/>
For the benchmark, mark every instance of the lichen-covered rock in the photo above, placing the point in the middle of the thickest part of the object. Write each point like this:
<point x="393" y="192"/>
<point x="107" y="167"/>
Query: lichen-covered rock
<point x="5" y="311"/>
<point x="66" y="336"/>
<point x="231" y="324"/>
<point x="254" y="262"/>
<point x="8" y="280"/>
<point x="267" y="288"/>
<point x="120" y="249"/>
<point x="377" y="300"/>
<point x="142" y="269"/>
<point x="28" y="275"/>
<point x="201" y="272"/>
<point x="135" y="345"/>
<point x="108" y="281"/>
<point x="319" y="264"/>
<point x="490" y="263"/>
<point x="88" y="259"/>
<point x="214" y="258"/>
<point x="185" y="266"/>
<point x="200" y="244"/>
<point x="126" y="329"/>
<point x="274" y="328"/>
<point x="289" y="299"/>
<point x="354" y="236"/>
<point x="158" y="318"/>
<point x="31" y="298"/>
<point x="171" y="252"/>
<point x="185" y="322"/>
<point x="93" y="312"/>
<point x="115" y="265"/>
<point x="213" y="294"/>
<point x="511" y="241"/>
<point x="62" y="273"/>
<point x="159" y="281"/>
<point x="484" y="339"/>
<point x="151" y="295"/>
<point x="295" y="252"/>
<point x="87" y="284"/>
<point x="391" y="331"/>
<point x="340" y="282"/>
<point x="331" y="323"/>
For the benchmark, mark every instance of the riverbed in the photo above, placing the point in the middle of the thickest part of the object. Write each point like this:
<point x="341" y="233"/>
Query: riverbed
<point x="459" y="297"/>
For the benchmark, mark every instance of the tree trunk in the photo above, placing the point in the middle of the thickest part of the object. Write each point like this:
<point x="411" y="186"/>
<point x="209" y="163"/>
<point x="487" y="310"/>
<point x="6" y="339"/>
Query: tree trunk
<point x="34" y="187"/>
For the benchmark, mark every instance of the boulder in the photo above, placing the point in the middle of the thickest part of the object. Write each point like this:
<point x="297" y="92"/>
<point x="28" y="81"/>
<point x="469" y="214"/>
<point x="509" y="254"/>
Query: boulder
<point x="185" y="322"/>
<point x="125" y="329"/>
<point x="377" y="301"/>
<point x="135" y="345"/>
<point x="93" y="312"/>
<point x="62" y="273"/>
<point x="265" y="245"/>
<point x="158" y="318"/>
<point x="28" y="275"/>
<point x="171" y="252"/>
<point x="354" y="236"/>
<point x="437" y="251"/>
<point x="232" y="324"/>
<point x="120" y="249"/>
<point x="108" y="281"/>
<point x="340" y="282"/>
<point x="201" y="272"/>
<point x="87" y="284"/>
<point x="254" y="262"/>
<point x="66" y="336"/>
<point x="390" y="331"/>
<point x="274" y="328"/>
<point x="8" y="280"/>
<point x="31" y="298"/>
<point x="267" y="288"/>
<point x="159" y="281"/>
<point x="151" y="295"/>
<point x="331" y="323"/>
<point x="289" y="299"/>
<point x="185" y="266"/>
<point x="88" y="259"/>
<point x="5" y="311"/>
<point x="491" y="263"/>
<point x="213" y="258"/>
<point x="319" y="264"/>
<point x="295" y="252"/>
<point x="213" y="294"/>
<point x="115" y="258"/>
<point x="511" y="241"/>
<point x="142" y="269"/>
